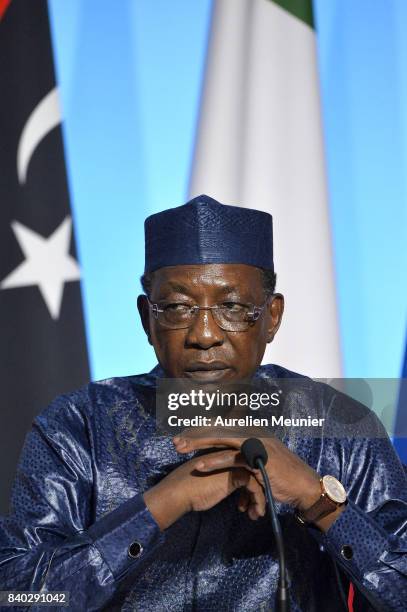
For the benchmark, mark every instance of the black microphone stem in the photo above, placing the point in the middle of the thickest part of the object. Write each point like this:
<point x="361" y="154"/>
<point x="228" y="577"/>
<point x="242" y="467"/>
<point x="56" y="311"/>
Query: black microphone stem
<point x="282" y="602"/>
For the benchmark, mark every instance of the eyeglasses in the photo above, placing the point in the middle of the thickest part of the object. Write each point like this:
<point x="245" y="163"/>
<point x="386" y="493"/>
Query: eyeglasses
<point x="230" y="316"/>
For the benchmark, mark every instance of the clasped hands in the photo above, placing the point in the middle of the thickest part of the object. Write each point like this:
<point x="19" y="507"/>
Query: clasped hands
<point x="292" y="480"/>
<point x="205" y="480"/>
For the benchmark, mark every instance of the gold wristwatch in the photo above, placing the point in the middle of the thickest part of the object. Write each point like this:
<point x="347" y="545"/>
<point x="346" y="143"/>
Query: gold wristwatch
<point x="332" y="496"/>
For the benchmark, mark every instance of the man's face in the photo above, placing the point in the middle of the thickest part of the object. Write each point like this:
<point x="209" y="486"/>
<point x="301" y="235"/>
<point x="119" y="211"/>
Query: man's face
<point x="204" y="352"/>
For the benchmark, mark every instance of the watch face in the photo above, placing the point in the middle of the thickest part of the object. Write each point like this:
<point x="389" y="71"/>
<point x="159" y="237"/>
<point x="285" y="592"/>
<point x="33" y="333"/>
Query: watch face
<point x="334" y="489"/>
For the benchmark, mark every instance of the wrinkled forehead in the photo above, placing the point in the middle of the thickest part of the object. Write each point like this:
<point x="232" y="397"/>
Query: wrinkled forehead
<point x="212" y="280"/>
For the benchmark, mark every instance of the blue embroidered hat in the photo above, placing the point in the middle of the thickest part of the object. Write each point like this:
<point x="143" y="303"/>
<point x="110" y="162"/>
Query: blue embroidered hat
<point x="204" y="231"/>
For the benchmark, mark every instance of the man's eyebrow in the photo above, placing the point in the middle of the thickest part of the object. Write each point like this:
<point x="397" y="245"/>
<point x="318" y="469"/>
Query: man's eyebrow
<point x="175" y="286"/>
<point x="180" y="288"/>
<point x="229" y="289"/>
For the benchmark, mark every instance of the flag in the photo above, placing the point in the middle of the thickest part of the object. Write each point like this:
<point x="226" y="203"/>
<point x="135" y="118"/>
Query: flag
<point x="400" y="422"/>
<point x="42" y="346"/>
<point x="259" y="144"/>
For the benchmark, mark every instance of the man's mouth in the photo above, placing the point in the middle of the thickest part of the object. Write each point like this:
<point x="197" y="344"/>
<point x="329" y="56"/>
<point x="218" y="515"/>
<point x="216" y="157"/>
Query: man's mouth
<point x="207" y="370"/>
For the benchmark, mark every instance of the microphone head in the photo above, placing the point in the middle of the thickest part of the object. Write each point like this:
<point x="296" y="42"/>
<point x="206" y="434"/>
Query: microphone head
<point x="253" y="449"/>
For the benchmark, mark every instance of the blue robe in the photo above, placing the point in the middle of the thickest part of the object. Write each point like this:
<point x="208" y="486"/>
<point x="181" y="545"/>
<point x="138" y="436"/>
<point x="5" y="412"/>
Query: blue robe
<point x="77" y="507"/>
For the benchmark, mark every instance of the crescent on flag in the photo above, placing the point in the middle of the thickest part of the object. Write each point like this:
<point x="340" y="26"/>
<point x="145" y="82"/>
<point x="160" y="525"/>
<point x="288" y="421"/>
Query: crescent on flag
<point x="45" y="116"/>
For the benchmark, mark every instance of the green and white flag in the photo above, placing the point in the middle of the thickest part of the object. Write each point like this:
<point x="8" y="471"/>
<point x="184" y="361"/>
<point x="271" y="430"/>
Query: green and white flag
<point x="259" y="144"/>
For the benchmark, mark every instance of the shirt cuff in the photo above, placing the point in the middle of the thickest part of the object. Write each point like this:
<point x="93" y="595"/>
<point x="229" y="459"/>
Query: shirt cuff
<point x="356" y="540"/>
<point x="126" y="536"/>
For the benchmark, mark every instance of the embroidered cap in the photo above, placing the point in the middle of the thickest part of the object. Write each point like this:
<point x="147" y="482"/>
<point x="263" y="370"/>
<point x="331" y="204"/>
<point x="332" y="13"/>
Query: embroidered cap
<point x="204" y="231"/>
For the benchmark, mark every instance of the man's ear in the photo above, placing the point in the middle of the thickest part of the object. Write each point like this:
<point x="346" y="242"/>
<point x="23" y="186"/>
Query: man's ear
<point x="276" y="309"/>
<point x="144" y="311"/>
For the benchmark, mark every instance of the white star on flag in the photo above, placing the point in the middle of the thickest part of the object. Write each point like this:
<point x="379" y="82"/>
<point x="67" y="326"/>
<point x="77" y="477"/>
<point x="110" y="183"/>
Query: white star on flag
<point x="48" y="263"/>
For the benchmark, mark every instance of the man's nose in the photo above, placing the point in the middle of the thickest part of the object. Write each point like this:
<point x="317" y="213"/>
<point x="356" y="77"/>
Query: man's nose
<point x="204" y="331"/>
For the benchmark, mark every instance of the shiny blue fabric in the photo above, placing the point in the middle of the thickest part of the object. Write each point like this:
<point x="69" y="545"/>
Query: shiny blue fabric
<point x="203" y="231"/>
<point x="77" y="506"/>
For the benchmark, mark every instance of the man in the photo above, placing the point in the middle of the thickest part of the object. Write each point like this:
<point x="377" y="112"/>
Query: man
<point x="123" y="517"/>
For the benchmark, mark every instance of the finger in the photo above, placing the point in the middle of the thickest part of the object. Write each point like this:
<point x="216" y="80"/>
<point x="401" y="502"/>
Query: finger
<point x="201" y="438"/>
<point x="244" y="500"/>
<point x="223" y="460"/>
<point x="251" y="498"/>
<point x="186" y="445"/>
<point x="208" y="432"/>
<point x="255" y="510"/>
<point x="259" y="477"/>
<point x="252" y="512"/>
<point x="220" y="433"/>
<point x="238" y="478"/>
<point x="220" y="460"/>
<point x="257" y="498"/>
<point x="195" y="438"/>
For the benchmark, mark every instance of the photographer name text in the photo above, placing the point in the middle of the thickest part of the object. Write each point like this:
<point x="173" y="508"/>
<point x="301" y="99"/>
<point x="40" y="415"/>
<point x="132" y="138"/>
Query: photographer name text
<point x="246" y="421"/>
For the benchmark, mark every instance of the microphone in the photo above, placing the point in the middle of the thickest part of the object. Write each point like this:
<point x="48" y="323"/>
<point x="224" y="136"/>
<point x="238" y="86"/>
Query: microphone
<point x="255" y="455"/>
<point x="252" y="450"/>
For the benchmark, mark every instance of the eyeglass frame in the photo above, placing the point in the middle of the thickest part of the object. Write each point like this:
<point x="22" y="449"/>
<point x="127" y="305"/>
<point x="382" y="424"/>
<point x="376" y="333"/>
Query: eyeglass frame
<point x="257" y="310"/>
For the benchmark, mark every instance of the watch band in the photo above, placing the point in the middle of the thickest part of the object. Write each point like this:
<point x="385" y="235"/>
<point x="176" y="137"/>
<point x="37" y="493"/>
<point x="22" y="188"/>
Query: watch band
<point x="321" y="508"/>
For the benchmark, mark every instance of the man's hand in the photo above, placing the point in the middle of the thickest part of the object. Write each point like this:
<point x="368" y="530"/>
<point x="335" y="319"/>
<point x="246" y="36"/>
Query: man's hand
<point x="186" y="489"/>
<point x="292" y="481"/>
